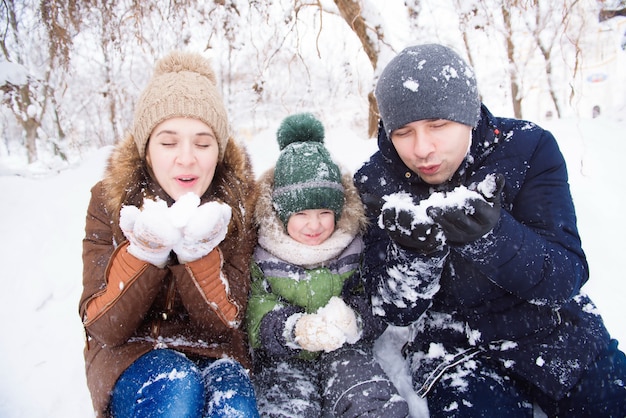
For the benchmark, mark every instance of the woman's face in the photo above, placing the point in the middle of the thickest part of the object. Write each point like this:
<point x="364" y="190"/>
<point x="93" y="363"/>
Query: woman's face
<point x="183" y="153"/>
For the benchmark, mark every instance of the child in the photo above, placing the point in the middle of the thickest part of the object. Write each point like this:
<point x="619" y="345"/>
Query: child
<point x="308" y="323"/>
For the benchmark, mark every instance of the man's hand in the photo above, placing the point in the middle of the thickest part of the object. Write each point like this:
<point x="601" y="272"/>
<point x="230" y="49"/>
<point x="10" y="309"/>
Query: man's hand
<point x="404" y="228"/>
<point x="476" y="217"/>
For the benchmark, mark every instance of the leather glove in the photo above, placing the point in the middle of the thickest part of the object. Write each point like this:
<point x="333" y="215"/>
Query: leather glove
<point x="476" y="217"/>
<point x="150" y="231"/>
<point x="313" y="333"/>
<point x="337" y="313"/>
<point x="410" y="231"/>
<point x="206" y="228"/>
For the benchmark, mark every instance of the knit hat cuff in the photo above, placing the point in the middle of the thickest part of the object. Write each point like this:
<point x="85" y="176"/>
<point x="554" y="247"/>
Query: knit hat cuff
<point x="179" y="107"/>
<point x="465" y="114"/>
<point x="290" y="188"/>
<point x="294" y="198"/>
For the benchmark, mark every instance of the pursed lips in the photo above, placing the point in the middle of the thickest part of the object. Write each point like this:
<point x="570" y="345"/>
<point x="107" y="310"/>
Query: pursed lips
<point x="430" y="169"/>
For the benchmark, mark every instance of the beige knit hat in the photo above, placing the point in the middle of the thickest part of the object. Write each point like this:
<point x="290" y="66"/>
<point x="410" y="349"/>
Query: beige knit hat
<point x="183" y="84"/>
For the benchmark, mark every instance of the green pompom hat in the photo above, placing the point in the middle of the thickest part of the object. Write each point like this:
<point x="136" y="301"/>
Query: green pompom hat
<point x="305" y="176"/>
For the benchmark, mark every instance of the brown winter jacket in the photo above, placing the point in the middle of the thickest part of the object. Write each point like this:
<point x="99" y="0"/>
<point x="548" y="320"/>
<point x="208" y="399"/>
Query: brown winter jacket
<point x="130" y="307"/>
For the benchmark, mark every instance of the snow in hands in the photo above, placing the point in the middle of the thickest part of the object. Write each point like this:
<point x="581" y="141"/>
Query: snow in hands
<point x="190" y="229"/>
<point x="412" y="282"/>
<point x="329" y="328"/>
<point x="455" y="199"/>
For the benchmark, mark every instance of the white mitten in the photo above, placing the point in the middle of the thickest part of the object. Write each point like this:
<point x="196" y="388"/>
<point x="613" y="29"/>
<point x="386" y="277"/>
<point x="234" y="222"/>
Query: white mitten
<point x="339" y="314"/>
<point x="313" y="333"/>
<point x="150" y="231"/>
<point x="206" y="228"/>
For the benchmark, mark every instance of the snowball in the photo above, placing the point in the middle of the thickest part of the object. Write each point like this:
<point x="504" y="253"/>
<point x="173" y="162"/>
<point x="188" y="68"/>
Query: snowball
<point x="456" y="198"/>
<point x="336" y="312"/>
<point x="183" y="208"/>
<point x="436" y="351"/>
<point x="128" y="215"/>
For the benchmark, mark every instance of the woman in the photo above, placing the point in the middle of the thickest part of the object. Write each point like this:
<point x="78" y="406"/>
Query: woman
<point x="168" y="240"/>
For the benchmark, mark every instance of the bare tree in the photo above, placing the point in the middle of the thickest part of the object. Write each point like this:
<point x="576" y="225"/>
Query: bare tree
<point x="609" y="12"/>
<point x="547" y="24"/>
<point x="87" y="59"/>
<point x="371" y="38"/>
<point x="50" y="26"/>
<point x="26" y="99"/>
<point x="472" y="18"/>
<point x="414" y="9"/>
<point x="545" y="40"/>
<point x="514" y="79"/>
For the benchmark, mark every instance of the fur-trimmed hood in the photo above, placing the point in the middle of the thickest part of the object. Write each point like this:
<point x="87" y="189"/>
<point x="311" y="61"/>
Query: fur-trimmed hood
<point x="273" y="237"/>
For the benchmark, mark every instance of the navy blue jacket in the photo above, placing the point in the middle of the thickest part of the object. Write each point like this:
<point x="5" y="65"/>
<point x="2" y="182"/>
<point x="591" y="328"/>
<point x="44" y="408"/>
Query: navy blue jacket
<point x="514" y="294"/>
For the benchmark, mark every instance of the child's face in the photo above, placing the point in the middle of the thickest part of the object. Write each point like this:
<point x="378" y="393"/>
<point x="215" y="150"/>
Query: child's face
<point x="311" y="226"/>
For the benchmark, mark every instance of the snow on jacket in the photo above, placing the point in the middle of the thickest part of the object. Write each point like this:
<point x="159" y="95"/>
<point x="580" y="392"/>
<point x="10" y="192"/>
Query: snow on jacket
<point x="171" y="307"/>
<point x="290" y="277"/>
<point x="513" y="294"/>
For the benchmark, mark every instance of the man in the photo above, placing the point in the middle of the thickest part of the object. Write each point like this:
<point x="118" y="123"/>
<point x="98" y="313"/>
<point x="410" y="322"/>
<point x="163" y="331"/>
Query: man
<point x="473" y="243"/>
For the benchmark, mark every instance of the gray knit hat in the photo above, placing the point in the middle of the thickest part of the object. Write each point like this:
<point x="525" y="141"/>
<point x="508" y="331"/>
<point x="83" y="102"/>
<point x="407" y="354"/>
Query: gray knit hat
<point x="305" y="176"/>
<point x="427" y="82"/>
<point x="183" y="84"/>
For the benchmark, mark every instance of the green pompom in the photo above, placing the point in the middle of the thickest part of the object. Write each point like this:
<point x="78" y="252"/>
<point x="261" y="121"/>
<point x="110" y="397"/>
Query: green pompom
<point x="301" y="127"/>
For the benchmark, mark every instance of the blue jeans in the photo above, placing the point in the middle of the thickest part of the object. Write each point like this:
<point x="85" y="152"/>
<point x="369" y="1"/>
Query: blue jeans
<point x="165" y="383"/>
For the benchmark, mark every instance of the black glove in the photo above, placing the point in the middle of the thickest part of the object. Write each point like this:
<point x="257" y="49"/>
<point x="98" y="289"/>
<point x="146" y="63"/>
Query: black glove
<point x="401" y="226"/>
<point x="466" y="223"/>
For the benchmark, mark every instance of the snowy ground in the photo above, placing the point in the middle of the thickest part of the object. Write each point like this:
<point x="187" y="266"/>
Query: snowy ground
<point x="42" y="228"/>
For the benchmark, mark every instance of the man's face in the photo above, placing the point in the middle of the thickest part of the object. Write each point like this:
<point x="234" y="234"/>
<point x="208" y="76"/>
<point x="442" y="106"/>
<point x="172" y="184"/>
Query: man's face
<point x="432" y="148"/>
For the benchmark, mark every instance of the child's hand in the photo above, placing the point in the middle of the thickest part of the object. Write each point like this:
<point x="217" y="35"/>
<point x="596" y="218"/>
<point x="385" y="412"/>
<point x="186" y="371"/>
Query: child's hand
<point x="314" y="333"/>
<point x="331" y="327"/>
<point x="337" y="313"/>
